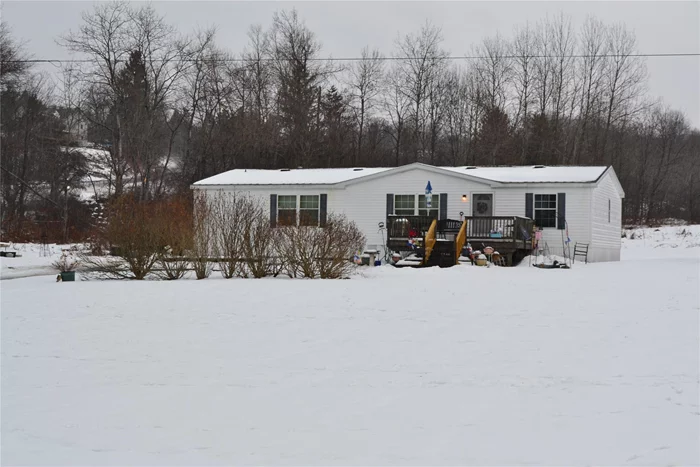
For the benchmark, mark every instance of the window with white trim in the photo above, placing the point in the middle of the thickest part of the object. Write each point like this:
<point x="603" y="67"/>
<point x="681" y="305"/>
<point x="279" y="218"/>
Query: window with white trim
<point x="405" y="205"/>
<point x="308" y="210"/>
<point x="546" y="210"/>
<point x="411" y="205"/>
<point x="423" y="209"/>
<point x="287" y="210"/>
<point x="298" y="210"/>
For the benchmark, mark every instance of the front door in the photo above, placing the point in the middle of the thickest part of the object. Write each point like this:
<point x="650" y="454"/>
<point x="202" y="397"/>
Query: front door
<point x="482" y="206"/>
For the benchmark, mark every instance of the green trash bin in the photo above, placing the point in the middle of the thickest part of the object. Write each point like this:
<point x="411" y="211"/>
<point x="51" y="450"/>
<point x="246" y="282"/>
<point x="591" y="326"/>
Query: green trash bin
<point x="68" y="276"/>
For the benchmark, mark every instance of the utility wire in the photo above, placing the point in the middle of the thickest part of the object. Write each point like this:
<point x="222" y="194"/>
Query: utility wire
<point x="30" y="187"/>
<point x="360" y="59"/>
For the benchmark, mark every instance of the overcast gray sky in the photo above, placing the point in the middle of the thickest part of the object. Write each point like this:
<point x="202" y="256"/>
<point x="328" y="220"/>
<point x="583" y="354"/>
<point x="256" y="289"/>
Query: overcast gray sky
<point x="345" y="27"/>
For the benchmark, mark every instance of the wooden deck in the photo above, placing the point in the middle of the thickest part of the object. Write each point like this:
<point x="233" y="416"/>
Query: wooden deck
<point x="509" y="235"/>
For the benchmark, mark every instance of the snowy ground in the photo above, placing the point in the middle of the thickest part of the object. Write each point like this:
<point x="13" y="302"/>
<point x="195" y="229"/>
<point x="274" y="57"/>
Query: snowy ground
<point x="679" y="241"/>
<point x="33" y="260"/>
<point x="471" y="366"/>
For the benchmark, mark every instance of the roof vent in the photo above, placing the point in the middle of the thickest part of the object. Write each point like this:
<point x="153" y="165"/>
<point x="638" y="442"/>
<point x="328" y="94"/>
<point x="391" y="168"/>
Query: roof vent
<point x="356" y="170"/>
<point x="538" y="167"/>
<point x="470" y="167"/>
<point x="285" y="170"/>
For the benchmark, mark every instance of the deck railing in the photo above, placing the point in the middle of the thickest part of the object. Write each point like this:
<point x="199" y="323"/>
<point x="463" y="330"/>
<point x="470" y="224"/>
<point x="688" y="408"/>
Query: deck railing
<point x="512" y="228"/>
<point x="403" y="227"/>
<point x="506" y="227"/>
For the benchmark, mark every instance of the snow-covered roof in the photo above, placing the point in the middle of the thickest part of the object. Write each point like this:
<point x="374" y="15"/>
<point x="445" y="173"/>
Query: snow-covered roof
<point x="289" y="177"/>
<point x="533" y="174"/>
<point x="524" y="174"/>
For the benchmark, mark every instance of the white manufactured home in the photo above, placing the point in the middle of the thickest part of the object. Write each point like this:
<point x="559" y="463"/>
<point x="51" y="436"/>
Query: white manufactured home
<point x="580" y="204"/>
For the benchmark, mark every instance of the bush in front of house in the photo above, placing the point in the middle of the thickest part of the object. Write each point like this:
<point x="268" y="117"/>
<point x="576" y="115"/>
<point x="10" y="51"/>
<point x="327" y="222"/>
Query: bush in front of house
<point x="260" y="242"/>
<point x="144" y="237"/>
<point x="229" y="213"/>
<point x="298" y="246"/>
<point x="165" y="239"/>
<point x="323" y="252"/>
<point x="236" y="228"/>
<point x="203" y="244"/>
<point x="175" y="223"/>
<point x="338" y="242"/>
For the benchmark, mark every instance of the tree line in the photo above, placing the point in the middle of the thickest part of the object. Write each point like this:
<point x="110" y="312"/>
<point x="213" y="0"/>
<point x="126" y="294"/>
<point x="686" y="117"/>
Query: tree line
<point x="167" y="109"/>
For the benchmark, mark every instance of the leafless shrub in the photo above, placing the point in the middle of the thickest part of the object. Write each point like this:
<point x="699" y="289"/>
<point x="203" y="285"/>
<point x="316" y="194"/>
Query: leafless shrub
<point x="259" y="245"/>
<point x="230" y="212"/>
<point x="172" y="265"/>
<point x="144" y="238"/>
<point x="323" y="252"/>
<point x="298" y="245"/>
<point x="176" y="223"/>
<point x="233" y="230"/>
<point x="135" y="236"/>
<point x="203" y="246"/>
<point x="67" y="262"/>
<point x="104" y="267"/>
<point x="337" y="243"/>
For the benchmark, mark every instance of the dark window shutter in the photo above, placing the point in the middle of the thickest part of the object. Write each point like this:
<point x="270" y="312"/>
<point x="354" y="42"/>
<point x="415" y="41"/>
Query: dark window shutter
<point x="443" y="206"/>
<point x="529" y="205"/>
<point x="389" y="204"/>
<point x="273" y="211"/>
<point x="561" y="211"/>
<point x="323" y="211"/>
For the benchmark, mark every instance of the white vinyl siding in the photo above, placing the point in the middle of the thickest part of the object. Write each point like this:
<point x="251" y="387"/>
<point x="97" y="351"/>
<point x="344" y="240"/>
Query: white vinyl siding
<point x="606" y="221"/>
<point x="510" y="201"/>
<point x="364" y="202"/>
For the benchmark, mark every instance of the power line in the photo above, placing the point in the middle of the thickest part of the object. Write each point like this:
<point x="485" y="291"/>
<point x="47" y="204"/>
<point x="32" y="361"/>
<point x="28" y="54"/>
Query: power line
<point x="359" y="59"/>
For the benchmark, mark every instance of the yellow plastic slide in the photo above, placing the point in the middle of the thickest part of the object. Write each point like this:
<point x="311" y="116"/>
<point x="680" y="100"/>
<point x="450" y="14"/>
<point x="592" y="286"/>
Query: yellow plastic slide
<point x="430" y="241"/>
<point x="460" y="241"/>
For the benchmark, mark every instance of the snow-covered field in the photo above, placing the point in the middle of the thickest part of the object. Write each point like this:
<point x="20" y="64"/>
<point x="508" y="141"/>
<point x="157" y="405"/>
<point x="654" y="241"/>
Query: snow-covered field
<point x="661" y="242"/>
<point x="33" y="260"/>
<point x="471" y="366"/>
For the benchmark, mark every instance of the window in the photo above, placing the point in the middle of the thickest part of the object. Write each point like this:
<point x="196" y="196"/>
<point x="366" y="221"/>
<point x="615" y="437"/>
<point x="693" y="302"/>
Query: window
<point x="308" y="210"/>
<point x="405" y="205"/>
<point x="546" y="210"/>
<point x="287" y="210"/>
<point x="423" y="210"/>
<point x="302" y="210"/>
<point x="608" y="211"/>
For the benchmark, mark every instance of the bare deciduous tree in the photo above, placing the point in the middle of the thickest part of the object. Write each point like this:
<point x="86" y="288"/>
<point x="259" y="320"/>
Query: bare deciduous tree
<point x="623" y="82"/>
<point x="365" y="83"/>
<point x="524" y="48"/>
<point x="397" y="107"/>
<point x="419" y="67"/>
<point x="494" y="71"/>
